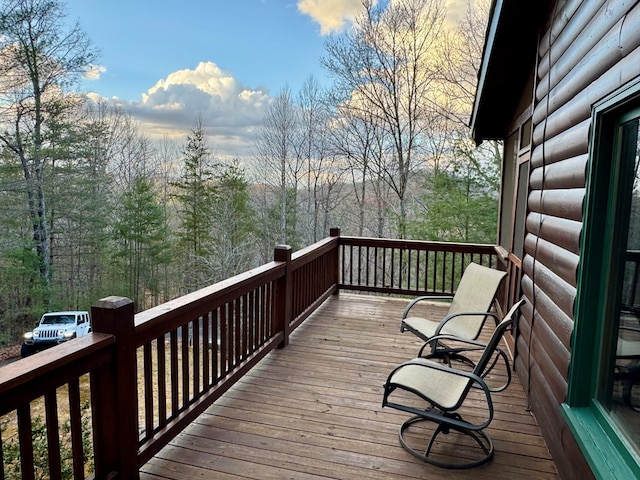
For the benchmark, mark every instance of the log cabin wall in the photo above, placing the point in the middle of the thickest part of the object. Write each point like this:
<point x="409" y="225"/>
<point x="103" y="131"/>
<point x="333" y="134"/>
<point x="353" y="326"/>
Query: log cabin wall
<point x="588" y="49"/>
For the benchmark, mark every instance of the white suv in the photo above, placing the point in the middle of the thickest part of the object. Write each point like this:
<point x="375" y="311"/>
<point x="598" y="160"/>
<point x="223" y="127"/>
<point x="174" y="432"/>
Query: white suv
<point x="55" y="328"/>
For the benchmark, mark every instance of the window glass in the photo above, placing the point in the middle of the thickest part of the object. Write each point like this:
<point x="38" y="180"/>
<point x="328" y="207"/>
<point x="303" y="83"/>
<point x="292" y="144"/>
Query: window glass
<point x="521" y="209"/>
<point x="624" y="376"/>
<point x="508" y="189"/>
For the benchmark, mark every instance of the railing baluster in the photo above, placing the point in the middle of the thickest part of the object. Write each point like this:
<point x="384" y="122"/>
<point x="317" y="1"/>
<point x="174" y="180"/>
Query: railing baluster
<point x="261" y="316"/>
<point x="196" y="356"/>
<point x="184" y="342"/>
<point x="216" y="342"/>
<point x="242" y="314"/>
<point x="26" y="443"/>
<point x="53" y="435"/>
<point x="1" y="459"/>
<point x="351" y="264"/>
<point x="238" y="330"/>
<point x="75" y="419"/>
<point x="206" y="349"/>
<point x="453" y="282"/>
<point x="225" y="348"/>
<point x="173" y="347"/>
<point x="162" y="381"/>
<point x="252" y="319"/>
<point x="148" y="389"/>
<point x="392" y="283"/>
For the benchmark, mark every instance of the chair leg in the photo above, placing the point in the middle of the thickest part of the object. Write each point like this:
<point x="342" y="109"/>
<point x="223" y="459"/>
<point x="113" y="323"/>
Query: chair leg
<point x="483" y="441"/>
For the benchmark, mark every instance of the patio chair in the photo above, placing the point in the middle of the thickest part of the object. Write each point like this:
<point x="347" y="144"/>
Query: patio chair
<point x="445" y="391"/>
<point x="468" y="310"/>
<point x="627" y="365"/>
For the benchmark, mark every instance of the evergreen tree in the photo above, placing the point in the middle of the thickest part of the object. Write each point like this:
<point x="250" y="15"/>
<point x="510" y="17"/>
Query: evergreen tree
<point x="143" y="245"/>
<point x="40" y="57"/>
<point x="194" y="193"/>
<point x="234" y="223"/>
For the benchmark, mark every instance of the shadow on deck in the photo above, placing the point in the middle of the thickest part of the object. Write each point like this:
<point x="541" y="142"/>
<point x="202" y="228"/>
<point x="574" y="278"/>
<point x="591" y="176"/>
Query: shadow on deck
<point x="313" y="410"/>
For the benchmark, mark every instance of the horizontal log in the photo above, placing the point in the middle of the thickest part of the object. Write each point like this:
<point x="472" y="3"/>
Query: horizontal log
<point x="569" y="173"/>
<point x="556" y="380"/>
<point x="578" y="107"/>
<point x="557" y="355"/>
<point x="571" y="462"/>
<point x="559" y="292"/>
<point x="563" y="203"/>
<point x="561" y="231"/>
<point x="564" y="263"/>
<point x="593" y="23"/>
<point x="558" y="321"/>
<point x="567" y="144"/>
<point x="566" y="26"/>
<point x="529" y="363"/>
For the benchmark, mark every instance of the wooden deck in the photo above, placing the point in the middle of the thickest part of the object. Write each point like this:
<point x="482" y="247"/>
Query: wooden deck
<point x="313" y="411"/>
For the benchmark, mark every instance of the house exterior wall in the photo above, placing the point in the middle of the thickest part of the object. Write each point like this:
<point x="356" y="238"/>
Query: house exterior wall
<point x="589" y="49"/>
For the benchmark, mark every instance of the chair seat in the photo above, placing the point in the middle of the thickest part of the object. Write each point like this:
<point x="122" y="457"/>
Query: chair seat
<point x="440" y="387"/>
<point x="628" y="348"/>
<point x="424" y="326"/>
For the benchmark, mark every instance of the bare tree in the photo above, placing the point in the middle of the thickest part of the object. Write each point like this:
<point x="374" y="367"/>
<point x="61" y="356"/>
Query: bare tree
<point x="357" y="138"/>
<point x="313" y="149"/>
<point x="39" y="58"/>
<point x="276" y="156"/>
<point x="385" y="66"/>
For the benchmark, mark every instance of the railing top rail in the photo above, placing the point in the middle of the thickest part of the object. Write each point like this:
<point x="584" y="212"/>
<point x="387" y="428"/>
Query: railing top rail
<point x="418" y="244"/>
<point x="310" y="253"/>
<point x="172" y="313"/>
<point x="51" y="361"/>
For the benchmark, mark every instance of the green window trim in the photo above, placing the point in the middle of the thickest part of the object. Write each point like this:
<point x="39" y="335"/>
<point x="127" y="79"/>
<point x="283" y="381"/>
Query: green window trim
<point x="606" y="448"/>
<point x="606" y="451"/>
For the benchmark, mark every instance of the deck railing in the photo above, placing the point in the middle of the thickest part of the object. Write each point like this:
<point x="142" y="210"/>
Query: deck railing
<point x="154" y="372"/>
<point x="406" y="267"/>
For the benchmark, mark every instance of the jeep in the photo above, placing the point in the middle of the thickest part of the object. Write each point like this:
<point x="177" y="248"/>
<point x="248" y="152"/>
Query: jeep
<point x="55" y="328"/>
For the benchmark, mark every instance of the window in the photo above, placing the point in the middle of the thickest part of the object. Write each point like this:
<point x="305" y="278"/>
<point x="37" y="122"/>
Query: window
<point x="509" y="165"/>
<point x="603" y="400"/>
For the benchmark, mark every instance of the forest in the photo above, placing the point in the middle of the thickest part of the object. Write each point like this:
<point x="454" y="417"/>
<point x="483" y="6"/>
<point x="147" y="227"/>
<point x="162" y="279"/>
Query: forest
<point x="90" y="206"/>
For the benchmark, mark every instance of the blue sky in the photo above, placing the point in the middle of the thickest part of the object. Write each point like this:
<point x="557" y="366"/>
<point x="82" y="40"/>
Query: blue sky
<point x="262" y="43"/>
<point x="169" y="61"/>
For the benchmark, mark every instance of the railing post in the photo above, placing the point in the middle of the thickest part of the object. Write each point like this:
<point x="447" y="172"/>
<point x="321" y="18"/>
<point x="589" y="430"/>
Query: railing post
<point x="335" y="232"/>
<point x="114" y="392"/>
<point x="283" y="295"/>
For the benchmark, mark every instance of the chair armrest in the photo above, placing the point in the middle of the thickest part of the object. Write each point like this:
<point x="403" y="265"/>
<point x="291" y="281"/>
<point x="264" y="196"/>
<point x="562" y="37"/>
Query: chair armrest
<point x="448" y="318"/>
<point x="437" y="340"/>
<point x="424" y="297"/>
<point x="446" y="353"/>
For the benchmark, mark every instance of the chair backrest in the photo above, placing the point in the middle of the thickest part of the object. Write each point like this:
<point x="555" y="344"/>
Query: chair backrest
<point x="502" y="327"/>
<point x="477" y="288"/>
<point x="476" y="291"/>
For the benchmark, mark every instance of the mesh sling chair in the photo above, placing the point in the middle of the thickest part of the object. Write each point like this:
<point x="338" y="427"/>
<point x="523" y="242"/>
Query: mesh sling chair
<point x="468" y="310"/>
<point x="627" y="362"/>
<point x="445" y="390"/>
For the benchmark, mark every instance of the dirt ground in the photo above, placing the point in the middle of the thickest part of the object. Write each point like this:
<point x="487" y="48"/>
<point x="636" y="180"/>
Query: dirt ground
<point x="9" y="353"/>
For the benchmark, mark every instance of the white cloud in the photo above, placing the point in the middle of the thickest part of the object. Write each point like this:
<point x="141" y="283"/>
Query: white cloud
<point x="230" y="111"/>
<point x="94" y="72"/>
<point x="332" y="15"/>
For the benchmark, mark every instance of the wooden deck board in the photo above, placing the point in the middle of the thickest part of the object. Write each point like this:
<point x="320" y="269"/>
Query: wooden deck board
<point x="313" y="411"/>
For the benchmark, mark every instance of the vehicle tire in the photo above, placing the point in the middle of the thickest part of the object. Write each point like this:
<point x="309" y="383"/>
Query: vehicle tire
<point x="26" y="350"/>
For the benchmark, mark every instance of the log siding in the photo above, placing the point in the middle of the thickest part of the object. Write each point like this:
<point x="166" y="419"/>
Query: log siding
<point x="589" y="49"/>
